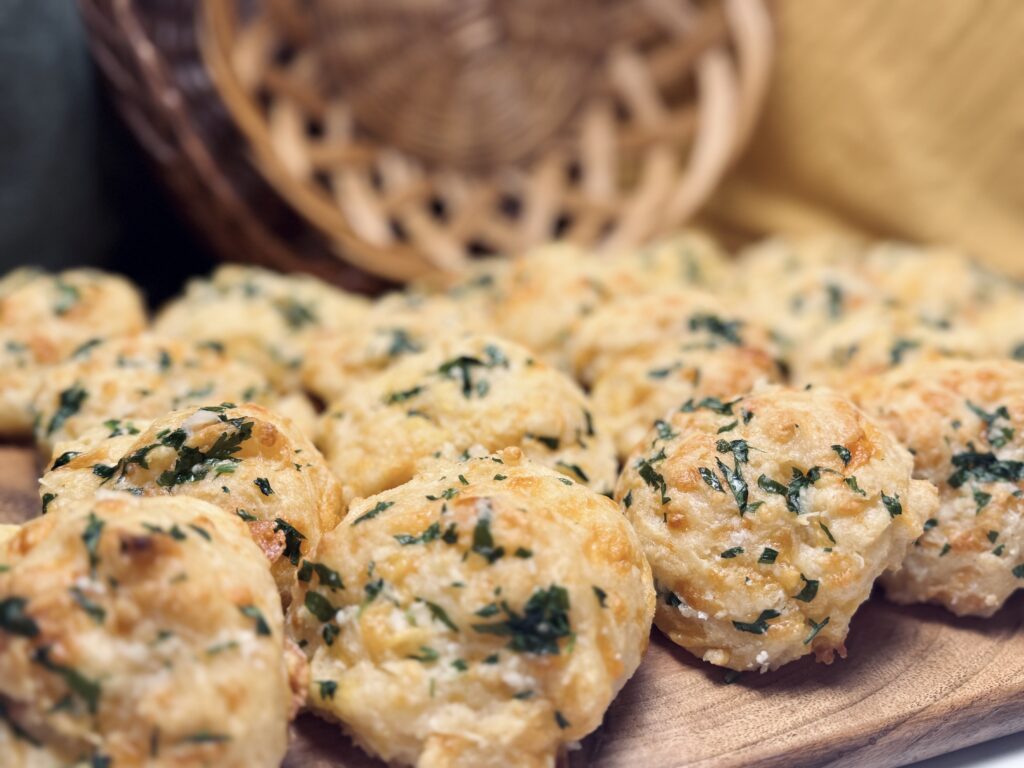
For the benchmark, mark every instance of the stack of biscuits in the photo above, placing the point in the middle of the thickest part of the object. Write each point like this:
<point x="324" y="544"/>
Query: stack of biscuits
<point x="445" y="519"/>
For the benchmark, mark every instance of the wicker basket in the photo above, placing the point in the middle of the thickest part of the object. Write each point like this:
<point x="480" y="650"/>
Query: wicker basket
<point x="368" y="139"/>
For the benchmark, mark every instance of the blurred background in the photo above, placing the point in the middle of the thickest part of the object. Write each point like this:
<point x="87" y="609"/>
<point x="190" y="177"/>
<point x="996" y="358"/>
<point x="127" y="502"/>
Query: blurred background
<point x="75" y="187"/>
<point x="891" y="119"/>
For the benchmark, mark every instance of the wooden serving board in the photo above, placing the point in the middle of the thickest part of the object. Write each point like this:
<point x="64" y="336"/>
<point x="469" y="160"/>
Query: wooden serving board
<point x="918" y="682"/>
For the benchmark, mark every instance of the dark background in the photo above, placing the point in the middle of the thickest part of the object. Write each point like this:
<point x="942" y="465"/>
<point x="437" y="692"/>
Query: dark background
<point x="75" y="188"/>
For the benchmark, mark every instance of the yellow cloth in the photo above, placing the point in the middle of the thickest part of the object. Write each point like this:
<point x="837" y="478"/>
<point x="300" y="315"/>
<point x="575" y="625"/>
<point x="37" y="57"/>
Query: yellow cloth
<point x="890" y="118"/>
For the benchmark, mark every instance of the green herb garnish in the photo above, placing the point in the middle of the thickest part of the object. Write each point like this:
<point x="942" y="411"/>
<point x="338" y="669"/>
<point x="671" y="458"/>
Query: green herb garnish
<point x="543" y="622"/>
<point x="760" y="625"/>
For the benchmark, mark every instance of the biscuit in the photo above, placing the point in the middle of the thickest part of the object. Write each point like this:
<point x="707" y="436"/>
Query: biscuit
<point x="543" y="293"/>
<point x="119" y="385"/>
<point x="482" y="614"/>
<point x="260" y="317"/>
<point x="396" y="326"/>
<point x="766" y="521"/>
<point x="140" y="632"/>
<point x="687" y="259"/>
<point x="873" y="340"/>
<point x="962" y="421"/>
<point x="464" y="396"/>
<point x="639" y="326"/>
<point x="936" y="283"/>
<point x="640" y="389"/>
<point x="247" y="460"/>
<point x="799" y="286"/>
<point x="44" y="318"/>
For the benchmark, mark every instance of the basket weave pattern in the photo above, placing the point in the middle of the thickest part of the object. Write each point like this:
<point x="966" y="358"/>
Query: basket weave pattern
<point x="404" y="136"/>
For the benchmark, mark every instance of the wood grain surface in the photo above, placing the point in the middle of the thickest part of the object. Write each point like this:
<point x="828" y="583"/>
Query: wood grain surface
<point x="918" y="682"/>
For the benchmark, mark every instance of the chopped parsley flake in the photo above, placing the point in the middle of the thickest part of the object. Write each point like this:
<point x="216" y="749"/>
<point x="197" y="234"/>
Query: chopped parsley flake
<point x="327" y="688"/>
<point x="711" y="479"/>
<point x="727" y="330"/>
<point x="95" y="612"/>
<point x="737" y="484"/>
<point x="984" y="468"/>
<point x="64" y="459"/>
<point x="797" y="484"/>
<point x="760" y="625"/>
<point x="768" y="556"/>
<point x="843" y="453"/>
<point x="900" y="348"/>
<point x="206" y="737"/>
<point x="664" y="430"/>
<point x="86" y="689"/>
<point x="293" y="539"/>
<point x="296" y="314"/>
<point x="810" y="590"/>
<point x="892" y="504"/>
<point x="328" y="577"/>
<point x="461" y="369"/>
<point x="380" y="507"/>
<point x="738" y="448"/>
<point x="851" y="481"/>
<point x="731" y="553"/>
<point x="448" y="493"/>
<point x="431" y="533"/>
<point x="67" y="297"/>
<point x="103" y="470"/>
<point x="827" y="531"/>
<point x="575" y="469"/>
<point x="981" y="499"/>
<point x="14" y="619"/>
<point x="651" y="476"/>
<point x="319" y="606"/>
<point x="711" y="404"/>
<point x="544" y="621"/>
<point x="815" y="629"/>
<point x="254" y="613"/>
<point x="402" y="396"/>
<point x="193" y="464"/>
<point x="997" y="436"/>
<point x="426" y="655"/>
<point x="483" y="541"/>
<point x="440" y="615"/>
<point x="69" y="403"/>
<point x="550" y="442"/>
<point x="91" y="539"/>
